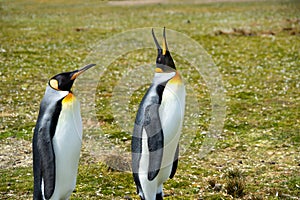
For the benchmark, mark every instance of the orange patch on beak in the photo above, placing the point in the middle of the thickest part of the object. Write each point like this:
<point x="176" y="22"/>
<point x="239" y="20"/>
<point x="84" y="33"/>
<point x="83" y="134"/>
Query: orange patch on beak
<point x="164" y="48"/>
<point x="76" y="75"/>
<point x="80" y="71"/>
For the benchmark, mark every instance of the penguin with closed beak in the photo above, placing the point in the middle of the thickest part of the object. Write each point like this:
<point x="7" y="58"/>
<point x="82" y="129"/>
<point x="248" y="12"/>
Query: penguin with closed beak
<point x="157" y="127"/>
<point x="57" y="139"/>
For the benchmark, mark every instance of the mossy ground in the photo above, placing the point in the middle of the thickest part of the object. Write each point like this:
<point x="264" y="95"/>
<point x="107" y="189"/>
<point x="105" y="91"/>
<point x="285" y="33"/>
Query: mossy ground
<point x="255" y="46"/>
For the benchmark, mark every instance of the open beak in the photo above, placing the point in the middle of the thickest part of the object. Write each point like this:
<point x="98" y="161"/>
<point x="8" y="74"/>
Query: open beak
<point x="165" y="46"/>
<point x="80" y="71"/>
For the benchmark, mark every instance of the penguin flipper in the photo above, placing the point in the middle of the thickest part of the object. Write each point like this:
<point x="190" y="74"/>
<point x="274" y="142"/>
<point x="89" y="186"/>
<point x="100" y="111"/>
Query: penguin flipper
<point x="47" y="158"/>
<point x="37" y="192"/>
<point x="153" y="128"/>
<point x="175" y="163"/>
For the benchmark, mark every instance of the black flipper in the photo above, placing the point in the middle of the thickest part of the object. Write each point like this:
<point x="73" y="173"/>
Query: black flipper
<point x="175" y="163"/>
<point x="47" y="157"/>
<point x="159" y="196"/>
<point x="44" y="159"/>
<point x="136" y="150"/>
<point x="155" y="136"/>
<point x="37" y="192"/>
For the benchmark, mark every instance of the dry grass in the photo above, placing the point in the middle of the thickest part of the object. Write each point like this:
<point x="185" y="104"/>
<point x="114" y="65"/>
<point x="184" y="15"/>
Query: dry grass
<point x="255" y="46"/>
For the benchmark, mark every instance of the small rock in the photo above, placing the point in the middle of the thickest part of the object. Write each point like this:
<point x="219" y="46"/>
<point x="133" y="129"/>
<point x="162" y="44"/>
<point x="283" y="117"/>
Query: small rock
<point x="218" y="187"/>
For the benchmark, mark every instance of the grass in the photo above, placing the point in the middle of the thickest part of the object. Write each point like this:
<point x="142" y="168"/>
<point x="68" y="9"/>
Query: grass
<point x="255" y="46"/>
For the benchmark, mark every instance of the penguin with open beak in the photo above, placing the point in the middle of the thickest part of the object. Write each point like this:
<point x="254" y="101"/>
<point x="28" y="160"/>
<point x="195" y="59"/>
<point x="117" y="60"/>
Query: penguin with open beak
<point x="157" y="127"/>
<point x="57" y="139"/>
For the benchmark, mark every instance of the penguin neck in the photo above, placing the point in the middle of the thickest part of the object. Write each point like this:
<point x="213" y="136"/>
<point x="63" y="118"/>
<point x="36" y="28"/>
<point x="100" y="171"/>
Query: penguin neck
<point x="176" y="79"/>
<point x="70" y="98"/>
<point x="162" y="78"/>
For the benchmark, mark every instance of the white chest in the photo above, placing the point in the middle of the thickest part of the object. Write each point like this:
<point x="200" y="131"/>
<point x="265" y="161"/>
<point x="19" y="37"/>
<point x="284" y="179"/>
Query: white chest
<point x="67" y="145"/>
<point x="171" y="111"/>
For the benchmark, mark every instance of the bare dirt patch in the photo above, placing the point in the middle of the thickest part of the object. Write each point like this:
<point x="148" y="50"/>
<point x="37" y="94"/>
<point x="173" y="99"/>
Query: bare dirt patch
<point x="18" y="153"/>
<point x="15" y="153"/>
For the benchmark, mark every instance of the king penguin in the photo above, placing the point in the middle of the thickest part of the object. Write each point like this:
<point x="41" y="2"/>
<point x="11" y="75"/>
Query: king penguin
<point x="57" y="139"/>
<point x="157" y="127"/>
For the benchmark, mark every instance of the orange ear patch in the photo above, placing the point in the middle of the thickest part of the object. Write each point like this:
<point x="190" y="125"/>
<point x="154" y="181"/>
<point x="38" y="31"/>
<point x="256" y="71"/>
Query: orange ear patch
<point x="158" y="70"/>
<point x="69" y="98"/>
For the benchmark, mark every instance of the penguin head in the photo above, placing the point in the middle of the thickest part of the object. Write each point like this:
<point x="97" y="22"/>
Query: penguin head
<point x="65" y="80"/>
<point x="164" y="60"/>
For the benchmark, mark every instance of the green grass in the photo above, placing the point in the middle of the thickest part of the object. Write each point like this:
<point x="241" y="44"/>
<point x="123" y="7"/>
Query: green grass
<point x="254" y="44"/>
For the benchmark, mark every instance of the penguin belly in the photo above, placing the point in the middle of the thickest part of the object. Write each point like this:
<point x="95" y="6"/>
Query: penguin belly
<point x="171" y="114"/>
<point x="67" y="144"/>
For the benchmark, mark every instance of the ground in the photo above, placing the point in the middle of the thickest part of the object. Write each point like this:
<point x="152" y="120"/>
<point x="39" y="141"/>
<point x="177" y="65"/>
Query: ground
<point x="254" y="46"/>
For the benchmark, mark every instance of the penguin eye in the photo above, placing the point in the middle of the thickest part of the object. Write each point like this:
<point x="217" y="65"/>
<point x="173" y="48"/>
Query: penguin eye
<point x="54" y="84"/>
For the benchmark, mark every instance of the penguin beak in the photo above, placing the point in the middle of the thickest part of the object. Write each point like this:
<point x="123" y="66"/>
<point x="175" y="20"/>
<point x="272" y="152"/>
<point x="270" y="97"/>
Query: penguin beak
<point x="164" y="61"/>
<point x="80" y="71"/>
<point x="165" y="46"/>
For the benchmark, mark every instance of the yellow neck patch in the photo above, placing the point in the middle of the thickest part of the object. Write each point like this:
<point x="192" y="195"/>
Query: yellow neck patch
<point x="68" y="99"/>
<point x="176" y="79"/>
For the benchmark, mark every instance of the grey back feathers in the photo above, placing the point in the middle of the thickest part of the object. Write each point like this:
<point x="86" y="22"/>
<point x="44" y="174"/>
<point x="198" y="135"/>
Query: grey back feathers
<point x="52" y="95"/>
